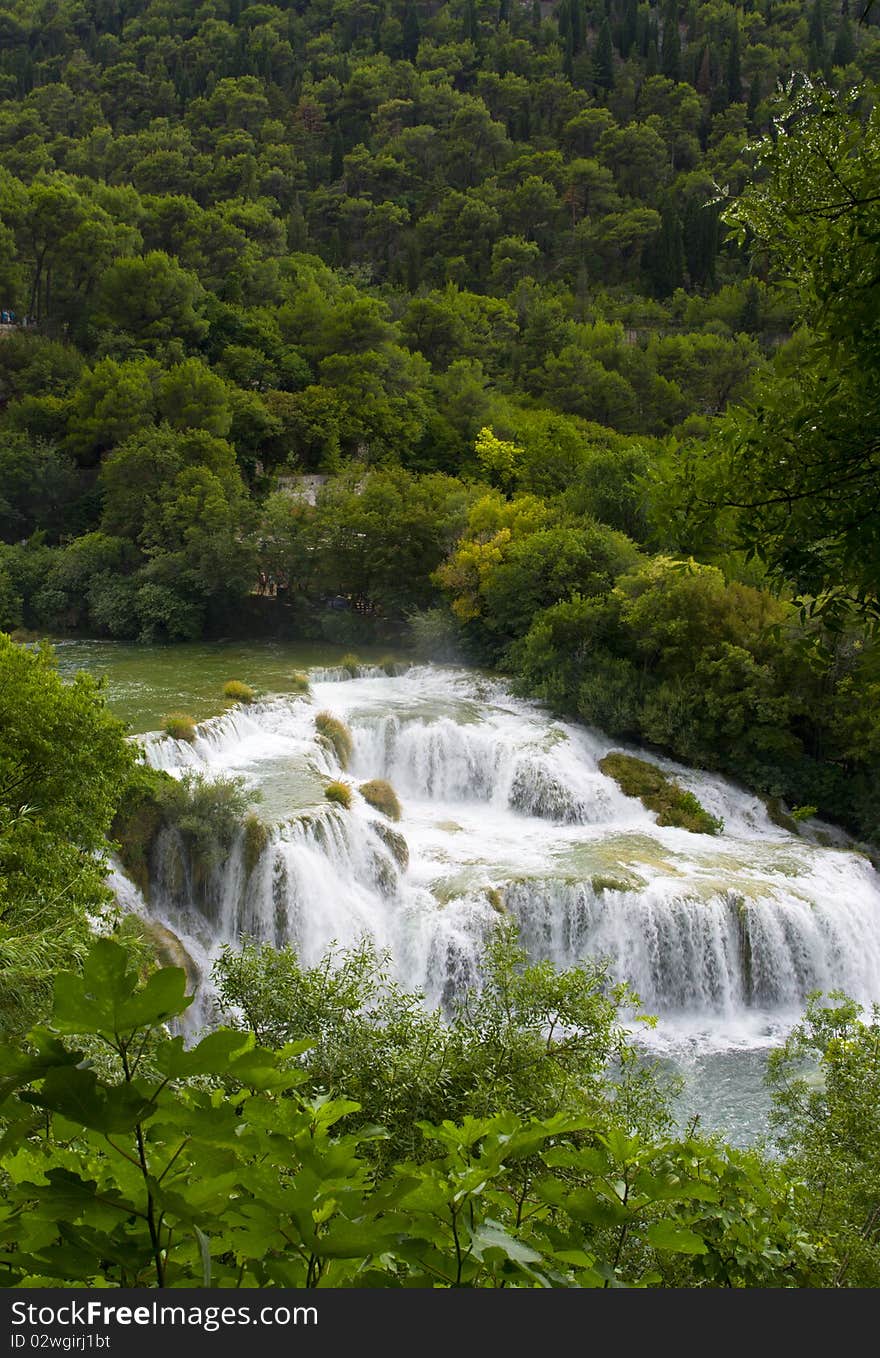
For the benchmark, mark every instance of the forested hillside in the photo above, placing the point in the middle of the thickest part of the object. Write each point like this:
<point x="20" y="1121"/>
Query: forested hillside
<point x="473" y="261"/>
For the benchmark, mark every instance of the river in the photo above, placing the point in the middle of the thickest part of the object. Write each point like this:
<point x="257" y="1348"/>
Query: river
<point x="504" y="808"/>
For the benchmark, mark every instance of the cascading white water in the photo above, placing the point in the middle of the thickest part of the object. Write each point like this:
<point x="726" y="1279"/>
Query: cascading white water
<point x="505" y="808"/>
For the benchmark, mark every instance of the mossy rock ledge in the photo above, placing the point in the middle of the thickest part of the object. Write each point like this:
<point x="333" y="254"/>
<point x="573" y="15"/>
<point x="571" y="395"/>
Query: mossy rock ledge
<point x="337" y="735"/>
<point x="394" y="842"/>
<point x="659" y="793"/>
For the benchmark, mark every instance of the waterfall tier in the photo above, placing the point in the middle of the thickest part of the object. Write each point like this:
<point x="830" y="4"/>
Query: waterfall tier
<point x="506" y="810"/>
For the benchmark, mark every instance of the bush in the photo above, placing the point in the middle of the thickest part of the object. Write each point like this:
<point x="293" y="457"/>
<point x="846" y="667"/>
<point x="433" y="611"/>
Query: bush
<point x="208" y="812"/>
<point x="339" y="793"/>
<point x="256" y="837"/>
<point x="299" y="682"/>
<point x="238" y="692"/>
<point x="656" y="790"/>
<point x="138" y="820"/>
<point x="351" y="664"/>
<point x="382" y="797"/>
<point x="179" y="726"/>
<point x="337" y="734"/>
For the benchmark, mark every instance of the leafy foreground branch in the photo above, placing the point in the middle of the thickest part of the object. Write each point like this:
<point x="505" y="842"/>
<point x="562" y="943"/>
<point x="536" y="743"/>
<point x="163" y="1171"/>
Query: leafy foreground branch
<point x="151" y="1165"/>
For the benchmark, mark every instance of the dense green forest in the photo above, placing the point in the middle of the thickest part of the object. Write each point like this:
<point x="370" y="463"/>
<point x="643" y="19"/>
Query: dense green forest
<point x="498" y="270"/>
<point x="571" y="312"/>
<point x="473" y="259"/>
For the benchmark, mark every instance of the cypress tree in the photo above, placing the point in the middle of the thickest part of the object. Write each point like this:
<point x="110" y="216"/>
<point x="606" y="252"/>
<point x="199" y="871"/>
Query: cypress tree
<point x="412" y="32"/>
<point x="629" y="28"/>
<point x="700" y="239"/>
<point x="578" y="25"/>
<point x="734" y="70"/>
<point x="671" y="53"/>
<point x="337" y="151"/>
<point x="605" y="58"/>
<point x="755" y="92"/>
<point x="818" y="50"/>
<point x="664" y="260"/>
<point x="704" y="73"/>
<point x="844" y="43"/>
<point x="750" y="316"/>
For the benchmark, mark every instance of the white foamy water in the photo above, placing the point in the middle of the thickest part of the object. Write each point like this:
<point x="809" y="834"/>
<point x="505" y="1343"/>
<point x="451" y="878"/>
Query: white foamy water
<point x="506" y="808"/>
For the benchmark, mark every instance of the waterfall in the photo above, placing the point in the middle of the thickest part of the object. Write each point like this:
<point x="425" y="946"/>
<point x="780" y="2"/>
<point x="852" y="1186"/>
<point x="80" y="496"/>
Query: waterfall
<point x="506" y="812"/>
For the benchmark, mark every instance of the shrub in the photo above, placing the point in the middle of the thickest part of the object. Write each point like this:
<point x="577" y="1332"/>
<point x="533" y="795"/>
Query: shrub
<point x="339" y="793"/>
<point x="179" y="726"/>
<point x="350" y="663"/>
<point x="299" y="682"/>
<point x="656" y="790"/>
<point x="382" y="797"/>
<point x="238" y="692"/>
<point x="256" y="837"/>
<point x="208" y="812"/>
<point x="337" y="734"/>
<point x="138" y="820"/>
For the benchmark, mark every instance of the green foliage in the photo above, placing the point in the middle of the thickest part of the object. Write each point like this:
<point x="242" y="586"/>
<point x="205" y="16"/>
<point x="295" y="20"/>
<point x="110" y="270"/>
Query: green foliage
<point x="531" y="1040"/>
<point x="339" y="794"/>
<point x="351" y="664"/>
<point x="40" y="490"/>
<point x="256" y="839"/>
<point x="208" y="816"/>
<point x="715" y="673"/>
<point x="209" y="813"/>
<point x="382" y="797"/>
<point x="825" y="1096"/>
<point x="796" y="471"/>
<point x="299" y="682"/>
<point x="64" y="762"/>
<point x="238" y="692"/>
<point x="658" y="792"/>
<point x="138" y="819"/>
<point x="179" y="726"/>
<point x="219" y="1166"/>
<point x="337" y="734"/>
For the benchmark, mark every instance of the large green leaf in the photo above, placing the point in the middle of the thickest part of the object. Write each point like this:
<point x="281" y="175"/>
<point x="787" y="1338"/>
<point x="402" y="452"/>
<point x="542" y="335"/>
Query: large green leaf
<point x="666" y="1235"/>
